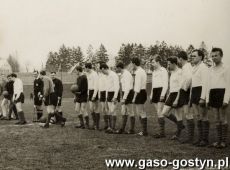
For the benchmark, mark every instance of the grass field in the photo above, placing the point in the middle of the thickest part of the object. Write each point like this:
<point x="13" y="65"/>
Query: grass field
<point x="31" y="147"/>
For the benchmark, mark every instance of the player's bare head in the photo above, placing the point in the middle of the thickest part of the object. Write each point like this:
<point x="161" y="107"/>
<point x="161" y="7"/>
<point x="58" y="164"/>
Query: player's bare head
<point x="42" y="73"/>
<point x="197" y="56"/>
<point x="217" y="55"/>
<point x="120" y="66"/>
<point x="104" y="68"/>
<point x="79" y="69"/>
<point x="9" y="78"/>
<point x="53" y="74"/>
<point x="172" y="62"/>
<point x="35" y="73"/>
<point x="136" y="61"/>
<point x="13" y="76"/>
<point x="156" y="61"/>
<point x="182" y="57"/>
<point x="88" y="67"/>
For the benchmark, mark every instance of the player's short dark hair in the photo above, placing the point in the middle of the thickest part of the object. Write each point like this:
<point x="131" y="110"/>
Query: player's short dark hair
<point x="215" y="49"/>
<point x="14" y="75"/>
<point x="9" y="75"/>
<point x="53" y="72"/>
<point x="120" y="65"/>
<point x="88" y="65"/>
<point x="43" y="72"/>
<point x="79" y="68"/>
<point x="172" y="60"/>
<point x="200" y="53"/>
<point x="183" y="55"/>
<point x="104" y="66"/>
<point x="136" y="61"/>
<point x="157" y="58"/>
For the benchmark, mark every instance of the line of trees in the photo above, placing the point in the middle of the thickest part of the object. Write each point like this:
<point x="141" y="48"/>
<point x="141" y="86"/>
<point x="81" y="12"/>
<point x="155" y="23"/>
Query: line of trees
<point x="67" y="57"/>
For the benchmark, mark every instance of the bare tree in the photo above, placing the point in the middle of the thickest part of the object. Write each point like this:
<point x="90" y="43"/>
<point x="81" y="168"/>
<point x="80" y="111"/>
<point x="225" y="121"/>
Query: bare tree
<point x="13" y="62"/>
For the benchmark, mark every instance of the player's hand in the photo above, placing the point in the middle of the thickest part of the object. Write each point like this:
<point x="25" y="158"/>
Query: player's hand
<point x="174" y="105"/>
<point x="114" y="100"/>
<point x="43" y="99"/>
<point x="150" y="101"/>
<point x="59" y="98"/>
<point x="123" y="101"/>
<point x="75" y="100"/>
<point x="225" y="105"/>
<point x="202" y="103"/>
<point x="133" y="101"/>
<point x="162" y="98"/>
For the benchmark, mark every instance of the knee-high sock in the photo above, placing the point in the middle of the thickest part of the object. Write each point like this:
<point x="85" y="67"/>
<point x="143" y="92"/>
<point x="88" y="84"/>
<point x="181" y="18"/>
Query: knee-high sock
<point x="205" y="131"/>
<point x="224" y="132"/>
<point x="200" y="130"/>
<point x="97" y="119"/>
<point x="190" y="129"/>
<point x="81" y="120"/>
<point x="132" y="123"/>
<point x="161" y="122"/>
<point x="124" y="121"/>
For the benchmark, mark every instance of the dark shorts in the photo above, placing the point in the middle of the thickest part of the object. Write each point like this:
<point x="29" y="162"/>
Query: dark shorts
<point x="37" y="101"/>
<point x="195" y="95"/>
<point x="81" y="98"/>
<point x="102" y="96"/>
<point x="91" y="95"/>
<point x="20" y="99"/>
<point x="141" y="97"/>
<point x="216" y="98"/>
<point x="183" y="97"/>
<point x="110" y="96"/>
<point x="51" y="99"/>
<point x="171" y="99"/>
<point x="129" y="98"/>
<point x="157" y="95"/>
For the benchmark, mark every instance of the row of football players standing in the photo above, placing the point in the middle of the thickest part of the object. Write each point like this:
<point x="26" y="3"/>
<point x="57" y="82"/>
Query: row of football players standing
<point x="190" y="90"/>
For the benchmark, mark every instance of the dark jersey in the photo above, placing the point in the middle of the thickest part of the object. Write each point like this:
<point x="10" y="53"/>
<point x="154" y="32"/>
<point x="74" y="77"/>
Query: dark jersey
<point x="82" y="84"/>
<point x="9" y="87"/>
<point x="58" y="87"/>
<point x="38" y="86"/>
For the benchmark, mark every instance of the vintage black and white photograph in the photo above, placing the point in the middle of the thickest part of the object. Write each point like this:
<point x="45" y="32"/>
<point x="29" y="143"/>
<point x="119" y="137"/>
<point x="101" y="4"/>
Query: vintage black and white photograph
<point x="114" y="84"/>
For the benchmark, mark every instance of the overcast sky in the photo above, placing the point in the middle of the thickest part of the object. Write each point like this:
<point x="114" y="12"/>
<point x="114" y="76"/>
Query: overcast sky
<point x="32" y="28"/>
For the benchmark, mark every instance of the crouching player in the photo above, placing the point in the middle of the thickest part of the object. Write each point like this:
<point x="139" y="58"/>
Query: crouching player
<point x="127" y="97"/>
<point x="218" y="96"/>
<point x="50" y="100"/>
<point x="81" y="98"/>
<point x="18" y="98"/>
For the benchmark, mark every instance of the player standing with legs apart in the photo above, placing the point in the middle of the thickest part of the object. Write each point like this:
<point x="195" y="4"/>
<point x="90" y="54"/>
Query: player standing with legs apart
<point x="218" y="95"/>
<point x="50" y="99"/>
<point x="112" y="89"/>
<point x="198" y="94"/>
<point x="18" y="98"/>
<point x="38" y="93"/>
<point x="92" y="78"/>
<point x="9" y="87"/>
<point x="58" y="90"/>
<point x="81" y="99"/>
<point x="184" y="94"/>
<point x="174" y="87"/>
<point x="140" y="94"/>
<point x="158" y="92"/>
<point x="127" y="97"/>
